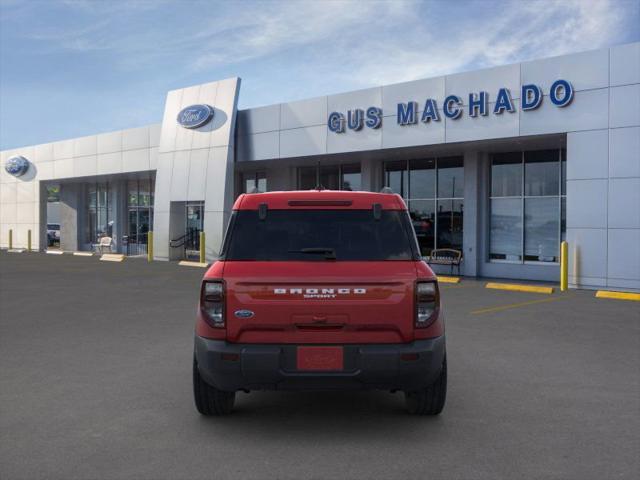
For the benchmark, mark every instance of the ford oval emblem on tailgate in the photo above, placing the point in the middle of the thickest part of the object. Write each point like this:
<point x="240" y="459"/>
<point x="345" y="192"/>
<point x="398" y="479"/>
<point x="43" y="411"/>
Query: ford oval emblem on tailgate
<point x="243" y="313"/>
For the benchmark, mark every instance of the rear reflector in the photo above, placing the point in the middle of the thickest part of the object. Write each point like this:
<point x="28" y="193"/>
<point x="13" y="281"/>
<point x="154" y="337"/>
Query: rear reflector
<point x="231" y="357"/>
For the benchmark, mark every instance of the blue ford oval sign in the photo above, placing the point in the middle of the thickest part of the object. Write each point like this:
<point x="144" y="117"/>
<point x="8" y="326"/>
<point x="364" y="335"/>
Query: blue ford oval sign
<point x="195" y="116"/>
<point x="17" y="166"/>
<point x="243" y="313"/>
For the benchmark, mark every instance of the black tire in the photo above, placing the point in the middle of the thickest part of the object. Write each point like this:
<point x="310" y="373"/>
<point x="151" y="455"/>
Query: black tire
<point x="209" y="400"/>
<point x="429" y="401"/>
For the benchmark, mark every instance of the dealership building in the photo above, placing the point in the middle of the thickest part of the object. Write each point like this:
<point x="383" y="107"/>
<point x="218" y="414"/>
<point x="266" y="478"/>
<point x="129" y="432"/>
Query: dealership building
<point x="502" y="164"/>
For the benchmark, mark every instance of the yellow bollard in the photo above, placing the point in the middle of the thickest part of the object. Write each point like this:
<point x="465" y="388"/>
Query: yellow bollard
<point x="202" y="259"/>
<point x="564" y="266"/>
<point x="29" y="240"/>
<point x="149" y="246"/>
<point x="10" y="239"/>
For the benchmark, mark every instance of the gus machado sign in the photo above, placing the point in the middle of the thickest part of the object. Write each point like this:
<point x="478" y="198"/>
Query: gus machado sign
<point x="560" y="95"/>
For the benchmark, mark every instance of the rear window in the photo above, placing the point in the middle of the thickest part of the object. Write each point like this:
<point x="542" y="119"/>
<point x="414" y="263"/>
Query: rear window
<point x="319" y="235"/>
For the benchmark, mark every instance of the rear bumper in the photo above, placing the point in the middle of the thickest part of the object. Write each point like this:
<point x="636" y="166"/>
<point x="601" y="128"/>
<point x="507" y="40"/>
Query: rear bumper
<point x="232" y="366"/>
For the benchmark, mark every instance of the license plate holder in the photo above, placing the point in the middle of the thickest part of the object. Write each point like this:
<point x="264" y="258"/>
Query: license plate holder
<point x="320" y="358"/>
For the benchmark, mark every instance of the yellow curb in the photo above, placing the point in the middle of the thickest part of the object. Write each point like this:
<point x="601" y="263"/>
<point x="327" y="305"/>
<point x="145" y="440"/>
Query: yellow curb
<point x="112" y="257"/>
<point x="55" y="252"/>
<point x="186" y="263"/>
<point x="448" y="279"/>
<point x="83" y="254"/>
<point x="16" y="250"/>
<point x="618" y="295"/>
<point x="514" y="287"/>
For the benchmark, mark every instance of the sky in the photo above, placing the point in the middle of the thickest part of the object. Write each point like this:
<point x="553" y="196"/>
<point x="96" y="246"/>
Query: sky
<point x="70" y="68"/>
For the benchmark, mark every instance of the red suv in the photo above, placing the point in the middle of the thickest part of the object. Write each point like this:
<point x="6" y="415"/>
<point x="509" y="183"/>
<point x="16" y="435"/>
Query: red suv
<point x="320" y="290"/>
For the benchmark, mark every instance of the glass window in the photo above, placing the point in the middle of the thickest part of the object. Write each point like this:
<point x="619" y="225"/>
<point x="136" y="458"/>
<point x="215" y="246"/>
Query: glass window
<point x="434" y="185"/>
<point x="397" y="178"/>
<point x="541" y="226"/>
<point x="330" y="177"/>
<point x="541" y="173"/>
<point x="422" y="178"/>
<point x="450" y="224"/>
<point x="506" y="229"/>
<point x="422" y="214"/>
<point x="506" y="175"/>
<point x="563" y="171"/>
<point x="254" y="180"/>
<point x="319" y="235"/>
<point x="351" y="177"/>
<point x="132" y="192"/>
<point x="530" y="225"/>
<point x="307" y="178"/>
<point x="450" y="177"/>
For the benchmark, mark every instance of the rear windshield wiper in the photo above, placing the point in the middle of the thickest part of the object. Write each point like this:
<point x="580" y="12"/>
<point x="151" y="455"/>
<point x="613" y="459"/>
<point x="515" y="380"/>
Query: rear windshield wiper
<point x="329" y="253"/>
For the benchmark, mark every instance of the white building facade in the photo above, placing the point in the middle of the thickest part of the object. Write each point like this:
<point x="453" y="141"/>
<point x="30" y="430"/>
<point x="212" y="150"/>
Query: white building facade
<point x="502" y="164"/>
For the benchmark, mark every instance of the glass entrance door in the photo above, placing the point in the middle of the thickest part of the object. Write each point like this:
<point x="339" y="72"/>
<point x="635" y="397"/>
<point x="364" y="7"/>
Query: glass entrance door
<point x="194" y="225"/>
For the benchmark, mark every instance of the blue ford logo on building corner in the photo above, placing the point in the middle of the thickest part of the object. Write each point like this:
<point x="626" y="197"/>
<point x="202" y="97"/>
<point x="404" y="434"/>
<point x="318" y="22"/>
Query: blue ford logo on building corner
<point x="195" y="116"/>
<point x="16" y="166"/>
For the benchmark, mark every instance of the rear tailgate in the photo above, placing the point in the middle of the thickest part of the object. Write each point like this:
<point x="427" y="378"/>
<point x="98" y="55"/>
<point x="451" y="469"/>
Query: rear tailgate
<point x="319" y="302"/>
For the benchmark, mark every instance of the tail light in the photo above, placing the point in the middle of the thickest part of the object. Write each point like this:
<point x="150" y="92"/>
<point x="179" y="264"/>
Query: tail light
<point x="427" y="303"/>
<point x="212" y="302"/>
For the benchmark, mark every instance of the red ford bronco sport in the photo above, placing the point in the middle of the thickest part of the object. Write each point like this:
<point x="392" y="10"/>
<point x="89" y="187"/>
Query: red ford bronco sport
<point x="319" y="290"/>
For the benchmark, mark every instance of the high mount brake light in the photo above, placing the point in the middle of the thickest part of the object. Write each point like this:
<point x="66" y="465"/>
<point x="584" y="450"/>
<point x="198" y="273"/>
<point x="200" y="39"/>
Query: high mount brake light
<point x="427" y="303"/>
<point x="212" y="302"/>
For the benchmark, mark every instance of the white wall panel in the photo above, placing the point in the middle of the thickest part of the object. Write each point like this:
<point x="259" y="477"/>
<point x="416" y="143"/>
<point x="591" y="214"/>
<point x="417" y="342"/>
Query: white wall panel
<point x="587" y="203"/>
<point x="135" y="160"/>
<point x="9" y="193"/>
<point x="624" y="152"/>
<point x="587" y="252"/>
<point x="25" y="191"/>
<point x="154" y="135"/>
<point x="135" y="138"/>
<point x="63" y="168"/>
<point x="417" y="90"/>
<point x="44" y="171"/>
<point x="625" y="106"/>
<point x="585" y="71"/>
<point x="357" y="99"/>
<point x="303" y="141"/>
<point x="85" y="166"/>
<point x="625" y="64"/>
<point x="180" y="176"/>
<point x="305" y="113"/>
<point x="110" y="163"/>
<point x="197" y="174"/>
<point x="588" y="154"/>
<point x="43" y="153"/>
<point x="63" y="149"/>
<point x="624" y="203"/>
<point x="468" y="128"/>
<point x="258" y="120"/>
<point x="587" y="111"/>
<point x="153" y="158"/>
<point x="259" y="146"/>
<point x="394" y="135"/>
<point x="489" y="80"/>
<point x="85" y="146"/>
<point x="110" y="142"/>
<point x="351" y="141"/>
<point x="624" y="254"/>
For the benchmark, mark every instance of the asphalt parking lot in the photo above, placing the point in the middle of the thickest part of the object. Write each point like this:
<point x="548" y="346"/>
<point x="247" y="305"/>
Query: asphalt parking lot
<point x="95" y="383"/>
